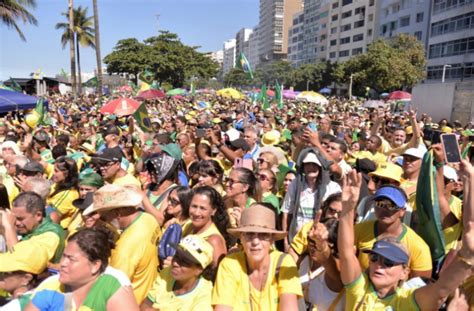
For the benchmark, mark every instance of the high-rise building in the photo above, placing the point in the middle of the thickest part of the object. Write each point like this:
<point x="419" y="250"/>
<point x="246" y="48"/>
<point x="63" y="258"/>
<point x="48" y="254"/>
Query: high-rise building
<point x="295" y="40"/>
<point x="229" y="56"/>
<point x="218" y="57"/>
<point x="311" y="27"/>
<point x="253" y="52"/>
<point x="451" y="40"/>
<point x="242" y="41"/>
<point x="404" y="16"/>
<point x="351" y="28"/>
<point x="276" y="16"/>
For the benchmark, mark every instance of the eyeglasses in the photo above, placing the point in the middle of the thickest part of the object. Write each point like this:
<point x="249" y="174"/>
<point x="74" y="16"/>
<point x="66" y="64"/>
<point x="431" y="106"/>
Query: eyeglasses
<point x="263" y="177"/>
<point x="382" y="260"/>
<point x="173" y="202"/>
<point x="384" y="181"/>
<point x="262" y="236"/>
<point x="386" y="205"/>
<point x="231" y="182"/>
<point x="262" y="160"/>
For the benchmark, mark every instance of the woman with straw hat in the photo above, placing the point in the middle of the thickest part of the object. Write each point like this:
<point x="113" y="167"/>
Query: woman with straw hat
<point x="257" y="278"/>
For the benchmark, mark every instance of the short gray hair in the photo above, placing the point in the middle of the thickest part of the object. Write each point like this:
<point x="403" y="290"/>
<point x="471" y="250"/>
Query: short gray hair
<point x="38" y="185"/>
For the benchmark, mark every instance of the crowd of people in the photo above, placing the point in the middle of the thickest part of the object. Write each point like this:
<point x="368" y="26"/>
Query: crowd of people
<point x="223" y="205"/>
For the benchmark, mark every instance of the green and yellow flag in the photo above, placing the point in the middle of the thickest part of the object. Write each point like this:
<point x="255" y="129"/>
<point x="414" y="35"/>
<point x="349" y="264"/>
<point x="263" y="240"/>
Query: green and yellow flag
<point x="147" y="76"/>
<point x="427" y="208"/>
<point x="262" y="97"/>
<point x="278" y="95"/>
<point x="143" y="120"/>
<point x="39" y="110"/>
<point x="245" y="65"/>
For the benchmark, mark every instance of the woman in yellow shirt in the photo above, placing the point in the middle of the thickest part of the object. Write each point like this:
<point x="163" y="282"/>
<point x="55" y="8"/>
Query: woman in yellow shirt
<point x="65" y="189"/>
<point x="257" y="278"/>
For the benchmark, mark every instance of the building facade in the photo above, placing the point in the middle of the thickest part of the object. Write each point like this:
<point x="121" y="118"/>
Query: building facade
<point x="242" y="41"/>
<point x="229" y="56"/>
<point x="404" y="16"/>
<point x="276" y="17"/>
<point x="253" y="52"/>
<point x="295" y="40"/>
<point x="451" y="40"/>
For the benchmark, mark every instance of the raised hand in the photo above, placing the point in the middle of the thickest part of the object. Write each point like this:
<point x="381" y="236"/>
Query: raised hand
<point x="351" y="184"/>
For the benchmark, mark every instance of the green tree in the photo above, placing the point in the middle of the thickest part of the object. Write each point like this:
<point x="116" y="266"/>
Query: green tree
<point x="268" y="73"/>
<point x="83" y="33"/>
<point x="128" y="57"/>
<point x="236" y="77"/>
<point x="11" y="11"/>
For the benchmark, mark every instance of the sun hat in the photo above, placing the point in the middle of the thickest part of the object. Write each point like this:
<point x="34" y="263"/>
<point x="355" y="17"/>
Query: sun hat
<point x="271" y="138"/>
<point x="20" y="258"/>
<point x="312" y="158"/>
<point x="195" y="249"/>
<point x="390" y="251"/>
<point x="394" y="194"/>
<point x="111" y="197"/>
<point x="388" y="171"/>
<point x="258" y="218"/>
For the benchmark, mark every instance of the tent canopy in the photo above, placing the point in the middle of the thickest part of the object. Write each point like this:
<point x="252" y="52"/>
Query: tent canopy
<point x="11" y="101"/>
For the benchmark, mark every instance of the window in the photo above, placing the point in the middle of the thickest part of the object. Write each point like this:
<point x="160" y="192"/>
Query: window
<point x="332" y="55"/>
<point x="356" y="51"/>
<point x="405" y="21"/>
<point x="346" y="2"/>
<point x="345" y="40"/>
<point x="333" y="42"/>
<point x="371" y="17"/>
<point x="371" y="2"/>
<point x="323" y="37"/>
<point x="335" y="5"/>
<point x="346" y="27"/>
<point x="451" y="48"/>
<point x="323" y="48"/>
<point x="359" y="24"/>
<point x="358" y="37"/>
<point x="419" y="17"/>
<point x="359" y="10"/>
<point x="369" y="32"/>
<point x="396" y="8"/>
<point x="418" y="35"/>
<point x="383" y="30"/>
<point x="457" y="71"/>
<point x="445" y="5"/>
<point x="393" y="25"/>
<point x="333" y="30"/>
<point x="323" y="26"/>
<point x="334" y="18"/>
<point x="346" y="14"/>
<point x="457" y="23"/>
<point x="344" y="53"/>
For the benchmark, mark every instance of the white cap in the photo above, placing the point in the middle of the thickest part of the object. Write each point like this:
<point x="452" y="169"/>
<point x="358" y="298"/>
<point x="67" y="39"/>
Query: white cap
<point x="311" y="158"/>
<point x="416" y="152"/>
<point x="233" y="134"/>
<point x="450" y="173"/>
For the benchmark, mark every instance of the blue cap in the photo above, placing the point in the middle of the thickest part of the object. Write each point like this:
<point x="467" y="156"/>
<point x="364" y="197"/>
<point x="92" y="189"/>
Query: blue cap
<point x="396" y="195"/>
<point x="389" y="251"/>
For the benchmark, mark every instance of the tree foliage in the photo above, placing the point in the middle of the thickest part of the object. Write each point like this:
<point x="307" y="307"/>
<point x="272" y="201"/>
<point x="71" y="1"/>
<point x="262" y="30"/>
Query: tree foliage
<point x="165" y="55"/>
<point x="12" y="11"/>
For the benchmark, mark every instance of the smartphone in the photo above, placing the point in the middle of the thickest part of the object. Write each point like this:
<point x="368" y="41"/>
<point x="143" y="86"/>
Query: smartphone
<point x="200" y="133"/>
<point x="313" y="127"/>
<point x="436" y="137"/>
<point x="451" y="148"/>
<point x="471" y="137"/>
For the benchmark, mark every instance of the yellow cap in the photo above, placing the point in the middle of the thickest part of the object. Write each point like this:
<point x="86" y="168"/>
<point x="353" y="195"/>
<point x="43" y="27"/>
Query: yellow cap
<point x="409" y="130"/>
<point x="25" y="256"/>
<point x="216" y="120"/>
<point x="192" y="113"/>
<point x="197" y="249"/>
<point x="388" y="171"/>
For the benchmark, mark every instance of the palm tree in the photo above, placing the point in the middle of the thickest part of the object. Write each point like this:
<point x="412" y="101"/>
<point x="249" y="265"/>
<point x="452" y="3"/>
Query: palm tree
<point x="13" y="10"/>
<point x="97" y="48"/>
<point x="83" y="34"/>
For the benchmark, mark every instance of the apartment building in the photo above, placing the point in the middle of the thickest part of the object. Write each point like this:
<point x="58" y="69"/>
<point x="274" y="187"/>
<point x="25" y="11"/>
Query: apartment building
<point x="242" y="41"/>
<point x="295" y="40"/>
<point x="229" y="56"/>
<point x="253" y="52"/>
<point x="451" y="40"/>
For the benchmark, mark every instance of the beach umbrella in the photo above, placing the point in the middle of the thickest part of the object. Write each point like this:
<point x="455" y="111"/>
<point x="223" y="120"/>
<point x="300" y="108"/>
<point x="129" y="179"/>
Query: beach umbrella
<point x="125" y="88"/>
<point x="312" y="97"/>
<point x="122" y="106"/>
<point x="150" y="94"/>
<point x="230" y="93"/>
<point x="399" y="95"/>
<point x="374" y="104"/>
<point x="11" y="101"/>
<point x="289" y="94"/>
<point x="176" y="92"/>
<point x="384" y="95"/>
<point x="325" y="90"/>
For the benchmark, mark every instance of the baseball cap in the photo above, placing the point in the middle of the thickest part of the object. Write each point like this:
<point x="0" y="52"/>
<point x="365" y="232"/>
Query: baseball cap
<point x="111" y="155"/>
<point x="33" y="166"/>
<point x="83" y="204"/>
<point x="390" y="251"/>
<point x="312" y="158"/>
<point x="450" y="173"/>
<point x="394" y="194"/>
<point x="111" y="130"/>
<point x="195" y="249"/>
<point x="389" y="171"/>
<point x="416" y="152"/>
<point x="172" y="150"/>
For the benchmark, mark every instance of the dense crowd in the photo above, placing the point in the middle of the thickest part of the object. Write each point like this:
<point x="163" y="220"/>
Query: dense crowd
<point x="223" y="205"/>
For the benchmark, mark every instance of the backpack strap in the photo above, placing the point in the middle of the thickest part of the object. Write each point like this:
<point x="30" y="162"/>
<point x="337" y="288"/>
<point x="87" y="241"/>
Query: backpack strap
<point x="278" y="266"/>
<point x="163" y="195"/>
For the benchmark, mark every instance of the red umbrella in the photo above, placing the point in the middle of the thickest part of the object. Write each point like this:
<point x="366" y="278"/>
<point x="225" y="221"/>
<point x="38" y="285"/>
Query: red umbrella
<point x="399" y="95"/>
<point x="121" y="107"/>
<point x="269" y="92"/>
<point x="125" y="88"/>
<point x="150" y="94"/>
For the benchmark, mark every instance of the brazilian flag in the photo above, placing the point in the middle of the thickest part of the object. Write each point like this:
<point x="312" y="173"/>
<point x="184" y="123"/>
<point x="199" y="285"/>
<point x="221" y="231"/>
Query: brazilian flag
<point x="143" y="120"/>
<point x="39" y="110"/>
<point x="262" y="97"/>
<point x="147" y="76"/>
<point x="427" y="208"/>
<point x="278" y="95"/>
<point x="245" y="65"/>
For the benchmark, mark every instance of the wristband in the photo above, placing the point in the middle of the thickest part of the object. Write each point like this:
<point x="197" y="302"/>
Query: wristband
<point x="438" y="164"/>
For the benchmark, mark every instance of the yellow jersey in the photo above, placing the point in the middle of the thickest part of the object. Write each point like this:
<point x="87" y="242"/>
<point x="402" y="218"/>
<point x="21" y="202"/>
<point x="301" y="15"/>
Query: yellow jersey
<point x="62" y="202"/>
<point x="300" y="241"/>
<point x="127" y="180"/>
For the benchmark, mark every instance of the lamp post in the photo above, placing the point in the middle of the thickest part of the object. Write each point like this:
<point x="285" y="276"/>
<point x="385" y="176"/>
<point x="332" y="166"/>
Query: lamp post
<point x="444" y="72"/>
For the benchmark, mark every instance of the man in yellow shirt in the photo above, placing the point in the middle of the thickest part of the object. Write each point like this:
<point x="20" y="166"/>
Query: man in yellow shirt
<point x="135" y="252"/>
<point x="26" y="220"/>
<point x="372" y="153"/>
<point x="110" y="161"/>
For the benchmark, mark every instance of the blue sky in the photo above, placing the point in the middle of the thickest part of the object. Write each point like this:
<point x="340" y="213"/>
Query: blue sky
<point x="205" y="23"/>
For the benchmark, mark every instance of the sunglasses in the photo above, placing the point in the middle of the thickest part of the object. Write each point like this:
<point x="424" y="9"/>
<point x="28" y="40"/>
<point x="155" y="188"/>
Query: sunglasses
<point x="386" y="205"/>
<point x="384" y="181"/>
<point x="231" y="182"/>
<point x="262" y="236"/>
<point x="173" y="202"/>
<point x="382" y="260"/>
<point x="262" y="160"/>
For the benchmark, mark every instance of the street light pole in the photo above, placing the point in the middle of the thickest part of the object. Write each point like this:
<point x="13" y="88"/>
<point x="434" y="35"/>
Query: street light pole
<point x="444" y="72"/>
<point x="350" y="86"/>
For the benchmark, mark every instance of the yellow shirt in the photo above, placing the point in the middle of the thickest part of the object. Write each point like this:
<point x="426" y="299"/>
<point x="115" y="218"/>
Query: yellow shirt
<point x="420" y="256"/>
<point x="360" y="295"/>
<point x="164" y="299"/>
<point x="233" y="288"/>
<point x="62" y="202"/>
<point x="136" y="254"/>
<point x="12" y="190"/>
<point x="49" y="241"/>
<point x="127" y="180"/>
<point x="453" y="233"/>
<point x="300" y="241"/>
<point x="212" y="230"/>
<point x="378" y="157"/>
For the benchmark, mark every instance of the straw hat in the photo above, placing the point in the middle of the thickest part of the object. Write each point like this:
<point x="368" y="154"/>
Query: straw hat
<point x="111" y="197"/>
<point x="258" y="218"/>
